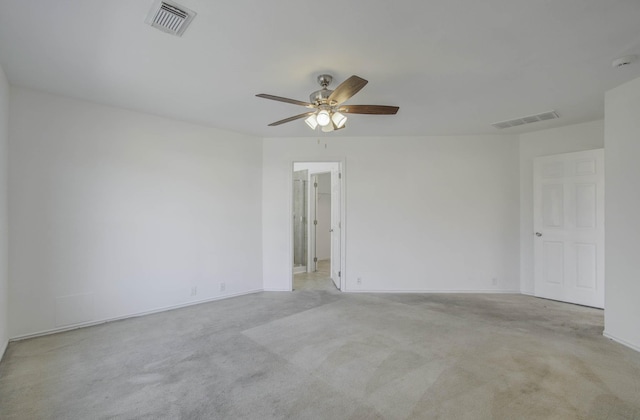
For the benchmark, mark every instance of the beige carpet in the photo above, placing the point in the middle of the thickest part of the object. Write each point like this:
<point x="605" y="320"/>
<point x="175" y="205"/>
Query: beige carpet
<point x="319" y="355"/>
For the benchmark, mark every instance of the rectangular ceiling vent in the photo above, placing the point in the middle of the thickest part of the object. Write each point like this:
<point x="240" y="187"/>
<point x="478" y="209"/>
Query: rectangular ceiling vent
<point x="550" y="115"/>
<point x="170" y="17"/>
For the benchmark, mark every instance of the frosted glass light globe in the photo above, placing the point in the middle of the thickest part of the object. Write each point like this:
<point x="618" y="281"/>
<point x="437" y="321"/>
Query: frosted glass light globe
<point x="323" y="118"/>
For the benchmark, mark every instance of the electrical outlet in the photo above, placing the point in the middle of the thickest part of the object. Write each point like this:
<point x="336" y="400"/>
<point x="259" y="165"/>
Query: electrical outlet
<point x="194" y="290"/>
<point x="359" y="281"/>
<point x="223" y="286"/>
<point x="494" y="281"/>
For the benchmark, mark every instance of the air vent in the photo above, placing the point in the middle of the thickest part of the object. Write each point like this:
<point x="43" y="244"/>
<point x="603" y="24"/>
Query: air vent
<point x="550" y="115"/>
<point x="170" y="17"/>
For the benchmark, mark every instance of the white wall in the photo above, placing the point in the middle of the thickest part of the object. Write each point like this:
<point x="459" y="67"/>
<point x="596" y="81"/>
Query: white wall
<point x="115" y="212"/>
<point x="622" y="207"/>
<point x="4" y="273"/>
<point x="422" y="214"/>
<point x="572" y="138"/>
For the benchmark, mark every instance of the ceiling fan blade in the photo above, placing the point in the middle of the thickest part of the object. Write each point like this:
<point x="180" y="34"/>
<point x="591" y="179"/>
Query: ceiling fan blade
<point x="347" y="89"/>
<point x="369" y="109"/>
<point x="295" y="117"/>
<point x="287" y="100"/>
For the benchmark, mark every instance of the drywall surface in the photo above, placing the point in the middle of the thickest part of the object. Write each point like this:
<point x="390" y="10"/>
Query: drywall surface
<point x="115" y="212"/>
<point x="622" y="207"/>
<point x="422" y="213"/>
<point x="4" y="272"/>
<point x="572" y="138"/>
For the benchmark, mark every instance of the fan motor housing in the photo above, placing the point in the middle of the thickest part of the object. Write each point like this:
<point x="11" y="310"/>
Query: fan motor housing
<point x="320" y="96"/>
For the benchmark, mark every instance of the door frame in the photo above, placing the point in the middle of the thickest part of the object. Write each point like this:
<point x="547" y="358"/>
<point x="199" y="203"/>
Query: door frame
<point x="343" y="222"/>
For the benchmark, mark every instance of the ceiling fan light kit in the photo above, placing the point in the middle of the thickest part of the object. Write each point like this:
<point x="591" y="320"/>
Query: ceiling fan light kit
<point x="323" y="118"/>
<point x="312" y="121"/>
<point x="339" y="119"/>
<point x="328" y="113"/>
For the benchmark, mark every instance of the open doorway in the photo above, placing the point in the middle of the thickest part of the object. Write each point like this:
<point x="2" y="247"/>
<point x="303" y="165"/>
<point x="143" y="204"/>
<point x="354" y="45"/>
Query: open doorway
<point x="300" y="218"/>
<point x="317" y="226"/>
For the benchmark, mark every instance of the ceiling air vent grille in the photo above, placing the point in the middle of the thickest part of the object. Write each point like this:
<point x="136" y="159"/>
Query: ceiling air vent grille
<point x="170" y="17"/>
<point x="550" y="115"/>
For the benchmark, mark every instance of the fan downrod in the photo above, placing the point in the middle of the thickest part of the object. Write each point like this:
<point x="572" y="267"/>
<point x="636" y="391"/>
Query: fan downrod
<point x="325" y="80"/>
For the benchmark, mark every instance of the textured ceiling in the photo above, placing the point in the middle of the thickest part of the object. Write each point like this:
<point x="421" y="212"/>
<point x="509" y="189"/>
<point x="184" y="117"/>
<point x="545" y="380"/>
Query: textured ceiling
<point x="452" y="66"/>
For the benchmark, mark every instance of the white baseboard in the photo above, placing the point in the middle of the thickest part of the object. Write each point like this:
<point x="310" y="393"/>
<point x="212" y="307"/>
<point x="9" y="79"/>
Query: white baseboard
<point x="134" y="315"/>
<point x="621" y="341"/>
<point x="276" y="290"/>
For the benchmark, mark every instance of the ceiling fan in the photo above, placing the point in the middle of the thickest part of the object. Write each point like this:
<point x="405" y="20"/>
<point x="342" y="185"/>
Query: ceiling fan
<point x="328" y="111"/>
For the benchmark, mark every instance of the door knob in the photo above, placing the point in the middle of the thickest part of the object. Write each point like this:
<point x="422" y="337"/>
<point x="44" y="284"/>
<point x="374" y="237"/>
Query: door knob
<point x="538" y="234"/>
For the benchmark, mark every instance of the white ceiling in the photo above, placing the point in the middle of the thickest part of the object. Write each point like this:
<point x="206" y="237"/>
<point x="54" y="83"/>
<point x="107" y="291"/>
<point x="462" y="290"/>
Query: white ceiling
<point x="452" y="66"/>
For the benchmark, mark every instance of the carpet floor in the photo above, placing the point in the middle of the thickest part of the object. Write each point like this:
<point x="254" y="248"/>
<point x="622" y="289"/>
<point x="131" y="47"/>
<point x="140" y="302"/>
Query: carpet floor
<point x="322" y="354"/>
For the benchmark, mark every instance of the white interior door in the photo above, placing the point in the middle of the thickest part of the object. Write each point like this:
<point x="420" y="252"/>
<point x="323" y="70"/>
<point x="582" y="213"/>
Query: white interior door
<point x="569" y="227"/>
<point x="336" y="227"/>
